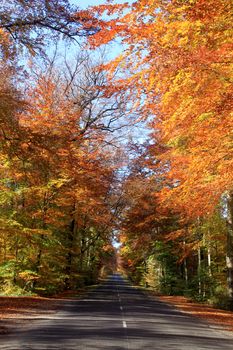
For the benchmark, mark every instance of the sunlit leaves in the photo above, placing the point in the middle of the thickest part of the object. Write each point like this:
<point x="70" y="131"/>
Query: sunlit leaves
<point x="179" y="57"/>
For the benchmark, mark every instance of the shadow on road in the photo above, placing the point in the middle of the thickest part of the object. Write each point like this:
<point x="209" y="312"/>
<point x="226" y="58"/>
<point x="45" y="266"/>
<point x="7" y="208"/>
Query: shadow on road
<point x="117" y="316"/>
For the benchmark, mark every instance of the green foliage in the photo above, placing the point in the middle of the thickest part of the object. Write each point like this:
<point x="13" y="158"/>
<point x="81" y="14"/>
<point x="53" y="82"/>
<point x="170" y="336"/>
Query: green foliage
<point x="189" y="262"/>
<point x="7" y="270"/>
<point x="11" y="289"/>
<point x="220" y="298"/>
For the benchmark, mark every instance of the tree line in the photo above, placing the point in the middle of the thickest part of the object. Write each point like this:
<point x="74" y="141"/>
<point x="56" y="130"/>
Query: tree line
<point x="62" y="198"/>
<point x="177" y="227"/>
<point x="58" y="167"/>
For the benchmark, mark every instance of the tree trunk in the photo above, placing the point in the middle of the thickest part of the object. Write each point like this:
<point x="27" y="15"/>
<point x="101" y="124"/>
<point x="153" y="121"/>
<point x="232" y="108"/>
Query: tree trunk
<point x="38" y="262"/>
<point x="186" y="272"/>
<point x="209" y="261"/>
<point x="69" y="258"/>
<point x="199" y="270"/>
<point x="185" y="266"/>
<point x="229" y="248"/>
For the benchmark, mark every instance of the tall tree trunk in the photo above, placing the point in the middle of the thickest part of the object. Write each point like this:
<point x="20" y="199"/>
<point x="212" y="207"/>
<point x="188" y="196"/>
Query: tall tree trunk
<point x="69" y="258"/>
<point x="38" y="257"/>
<point x="229" y="248"/>
<point x="16" y="259"/>
<point x="209" y="261"/>
<point x="38" y="261"/>
<point x="185" y="265"/>
<point x="186" y="272"/>
<point x="43" y="226"/>
<point x="199" y="270"/>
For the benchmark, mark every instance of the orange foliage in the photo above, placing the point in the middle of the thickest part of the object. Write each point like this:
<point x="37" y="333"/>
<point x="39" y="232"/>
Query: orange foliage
<point x="178" y="59"/>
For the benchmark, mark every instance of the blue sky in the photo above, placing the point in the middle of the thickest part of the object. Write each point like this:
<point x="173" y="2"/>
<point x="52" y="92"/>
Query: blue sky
<point x="114" y="49"/>
<point x="86" y="3"/>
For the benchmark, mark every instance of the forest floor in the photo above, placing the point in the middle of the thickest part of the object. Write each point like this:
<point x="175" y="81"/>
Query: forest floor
<point x="16" y="311"/>
<point x="205" y="312"/>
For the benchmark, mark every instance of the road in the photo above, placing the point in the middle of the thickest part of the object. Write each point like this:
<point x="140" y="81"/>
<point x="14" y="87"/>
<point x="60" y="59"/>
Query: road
<point x="117" y="316"/>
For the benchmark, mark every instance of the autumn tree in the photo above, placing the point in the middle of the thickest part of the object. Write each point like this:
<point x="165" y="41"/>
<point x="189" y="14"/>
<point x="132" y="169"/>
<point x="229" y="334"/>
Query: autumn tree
<point x="178" y="61"/>
<point x="30" y="23"/>
<point x="58" y="161"/>
<point x="59" y="179"/>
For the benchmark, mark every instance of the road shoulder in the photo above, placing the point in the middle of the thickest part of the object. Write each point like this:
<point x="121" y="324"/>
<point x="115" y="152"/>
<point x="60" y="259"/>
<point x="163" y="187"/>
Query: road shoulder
<point x="205" y="312"/>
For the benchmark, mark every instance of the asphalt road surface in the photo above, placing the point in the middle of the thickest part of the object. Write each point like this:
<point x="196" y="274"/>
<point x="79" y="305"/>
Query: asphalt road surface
<point x="118" y="316"/>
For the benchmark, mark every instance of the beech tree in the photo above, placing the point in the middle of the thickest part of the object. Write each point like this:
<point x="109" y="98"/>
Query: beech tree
<point x="177" y="63"/>
<point x="29" y="24"/>
<point x="59" y="166"/>
<point x="58" y="179"/>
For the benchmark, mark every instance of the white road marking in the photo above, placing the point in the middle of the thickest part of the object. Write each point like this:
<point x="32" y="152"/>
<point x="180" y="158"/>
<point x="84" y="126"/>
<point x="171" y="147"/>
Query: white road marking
<point x="123" y="316"/>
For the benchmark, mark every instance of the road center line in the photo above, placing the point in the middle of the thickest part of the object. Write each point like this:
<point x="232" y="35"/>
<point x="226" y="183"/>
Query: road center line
<point x="123" y="316"/>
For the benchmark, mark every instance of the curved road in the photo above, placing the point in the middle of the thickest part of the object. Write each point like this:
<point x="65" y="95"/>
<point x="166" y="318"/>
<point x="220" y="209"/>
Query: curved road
<point x="118" y="316"/>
